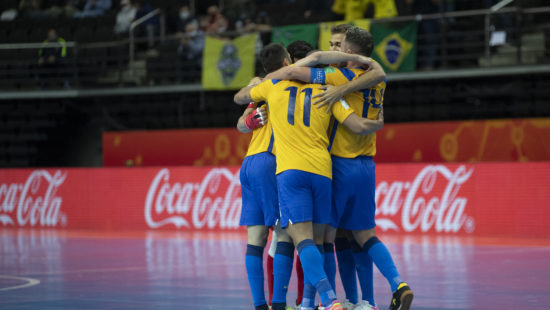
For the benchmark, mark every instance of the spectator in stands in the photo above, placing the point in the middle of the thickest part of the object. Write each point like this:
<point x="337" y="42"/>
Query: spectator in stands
<point x="30" y="8"/>
<point x="189" y="58"/>
<point x="74" y="6"/>
<point x="351" y="9"/>
<point x="384" y="8"/>
<point x="125" y="17"/>
<point x="185" y="17"/>
<point x="428" y="29"/>
<point x="150" y="26"/>
<point x="51" y="58"/>
<point x="94" y="8"/>
<point x="217" y="23"/>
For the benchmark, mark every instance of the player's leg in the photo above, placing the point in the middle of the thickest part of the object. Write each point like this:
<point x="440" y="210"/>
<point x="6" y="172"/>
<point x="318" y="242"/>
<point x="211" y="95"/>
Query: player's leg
<point x="300" y="281"/>
<point x="330" y="260"/>
<point x="269" y="264"/>
<point x="343" y="184"/>
<point x="257" y="239"/>
<point x="297" y="211"/>
<point x="346" y="264"/>
<point x="282" y="268"/>
<point x="365" y="236"/>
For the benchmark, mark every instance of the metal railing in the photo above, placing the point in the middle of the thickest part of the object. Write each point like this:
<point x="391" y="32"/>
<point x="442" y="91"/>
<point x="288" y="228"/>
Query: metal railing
<point x="463" y="46"/>
<point x="140" y="21"/>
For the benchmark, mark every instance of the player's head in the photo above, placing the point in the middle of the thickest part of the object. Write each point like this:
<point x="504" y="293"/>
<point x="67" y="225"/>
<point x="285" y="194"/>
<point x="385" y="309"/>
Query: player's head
<point x="358" y="41"/>
<point x="337" y="35"/>
<point x="298" y="50"/>
<point x="274" y="56"/>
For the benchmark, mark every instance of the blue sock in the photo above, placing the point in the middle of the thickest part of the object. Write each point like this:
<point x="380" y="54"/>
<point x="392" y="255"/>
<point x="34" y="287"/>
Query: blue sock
<point x="282" y="270"/>
<point x="346" y="266"/>
<point x="382" y="258"/>
<point x="312" y="263"/>
<point x="364" y="272"/>
<point x="330" y="264"/>
<point x="308" y="299"/>
<point x="255" y="272"/>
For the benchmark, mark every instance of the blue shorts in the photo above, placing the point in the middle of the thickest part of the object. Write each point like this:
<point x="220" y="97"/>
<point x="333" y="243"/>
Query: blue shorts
<point x="353" y="184"/>
<point x="260" y="204"/>
<point x="304" y="197"/>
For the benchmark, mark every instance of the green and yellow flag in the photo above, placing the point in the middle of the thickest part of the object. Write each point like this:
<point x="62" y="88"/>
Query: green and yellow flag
<point x="228" y="64"/>
<point x="395" y="47"/>
<point x="325" y="28"/>
<point x="288" y="34"/>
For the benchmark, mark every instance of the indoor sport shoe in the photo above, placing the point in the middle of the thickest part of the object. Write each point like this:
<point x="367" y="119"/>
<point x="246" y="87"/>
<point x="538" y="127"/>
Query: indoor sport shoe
<point x="402" y="298"/>
<point x="346" y="305"/>
<point x="364" y="305"/>
<point x="336" y="305"/>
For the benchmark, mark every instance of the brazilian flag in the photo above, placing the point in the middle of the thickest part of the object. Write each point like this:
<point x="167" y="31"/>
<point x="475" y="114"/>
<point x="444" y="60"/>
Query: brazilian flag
<point x="394" y="46"/>
<point x="228" y="64"/>
<point x="288" y="34"/>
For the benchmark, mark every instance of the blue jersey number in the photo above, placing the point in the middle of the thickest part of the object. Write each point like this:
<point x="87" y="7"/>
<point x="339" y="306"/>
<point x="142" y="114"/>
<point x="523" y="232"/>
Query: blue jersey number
<point x="292" y="104"/>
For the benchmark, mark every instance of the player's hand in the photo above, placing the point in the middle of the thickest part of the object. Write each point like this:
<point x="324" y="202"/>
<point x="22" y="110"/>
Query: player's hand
<point x="256" y="119"/>
<point x="329" y="97"/>
<point x="380" y="118"/>
<point x="366" y="61"/>
<point x="255" y="81"/>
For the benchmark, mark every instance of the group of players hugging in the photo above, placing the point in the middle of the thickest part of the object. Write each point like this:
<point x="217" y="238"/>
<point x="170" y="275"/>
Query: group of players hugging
<point x="309" y="174"/>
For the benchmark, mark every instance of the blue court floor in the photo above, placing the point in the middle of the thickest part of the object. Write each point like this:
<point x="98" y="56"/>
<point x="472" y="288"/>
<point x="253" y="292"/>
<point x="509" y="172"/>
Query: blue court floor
<point x="48" y="269"/>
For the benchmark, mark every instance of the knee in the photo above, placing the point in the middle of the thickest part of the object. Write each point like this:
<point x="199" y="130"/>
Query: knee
<point x="362" y="236"/>
<point x="258" y="237"/>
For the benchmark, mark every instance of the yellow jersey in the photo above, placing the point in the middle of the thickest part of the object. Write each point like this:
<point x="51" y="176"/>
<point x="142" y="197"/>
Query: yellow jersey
<point x="366" y="103"/>
<point x="300" y="130"/>
<point x="262" y="138"/>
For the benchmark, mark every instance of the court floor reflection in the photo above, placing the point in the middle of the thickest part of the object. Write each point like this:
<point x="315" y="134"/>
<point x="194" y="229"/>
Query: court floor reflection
<point x="174" y="270"/>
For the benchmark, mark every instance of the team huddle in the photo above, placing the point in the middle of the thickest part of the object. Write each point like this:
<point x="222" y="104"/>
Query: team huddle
<point x="309" y="173"/>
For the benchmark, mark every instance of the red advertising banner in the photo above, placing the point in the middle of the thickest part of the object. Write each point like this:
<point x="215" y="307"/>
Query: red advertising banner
<point x="485" y="199"/>
<point x="468" y="141"/>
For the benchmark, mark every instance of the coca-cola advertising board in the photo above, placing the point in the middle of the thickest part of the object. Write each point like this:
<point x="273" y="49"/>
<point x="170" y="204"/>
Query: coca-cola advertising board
<point x="484" y="199"/>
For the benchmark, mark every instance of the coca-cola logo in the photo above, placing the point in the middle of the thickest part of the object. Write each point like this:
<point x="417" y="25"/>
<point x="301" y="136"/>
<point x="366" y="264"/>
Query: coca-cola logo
<point x="34" y="202"/>
<point x="215" y="202"/>
<point x="421" y="206"/>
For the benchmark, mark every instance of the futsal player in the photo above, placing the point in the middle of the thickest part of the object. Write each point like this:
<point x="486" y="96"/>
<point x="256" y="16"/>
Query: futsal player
<point x="353" y="164"/>
<point x="303" y="163"/>
<point x="260" y="209"/>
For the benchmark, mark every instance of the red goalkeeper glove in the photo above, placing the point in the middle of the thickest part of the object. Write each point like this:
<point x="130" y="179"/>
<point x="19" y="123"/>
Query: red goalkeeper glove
<point x="255" y="119"/>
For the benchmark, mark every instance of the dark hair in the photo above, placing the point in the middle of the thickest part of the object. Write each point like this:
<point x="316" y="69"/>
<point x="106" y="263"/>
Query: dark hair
<point x="342" y="28"/>
<point x="299" y="49"/>
<point x="361" y="40"/>
<point x="272" y="57"/>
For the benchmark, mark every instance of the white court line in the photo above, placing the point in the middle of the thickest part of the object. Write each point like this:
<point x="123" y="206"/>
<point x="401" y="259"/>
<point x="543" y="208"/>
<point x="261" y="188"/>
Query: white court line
<point x="30" y="282"/>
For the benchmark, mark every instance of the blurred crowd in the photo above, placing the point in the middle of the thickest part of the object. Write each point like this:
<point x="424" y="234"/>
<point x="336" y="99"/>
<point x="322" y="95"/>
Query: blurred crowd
<point x="189" y="21"/>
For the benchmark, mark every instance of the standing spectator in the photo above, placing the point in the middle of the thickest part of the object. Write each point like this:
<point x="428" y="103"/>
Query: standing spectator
<point x="185" y="17"/>
<point x="125" y="17"/>
<point x="351" y="9"/>
<point x="94" y="8"/>
<point x="428" y="30"/>
<point x="190" y="52"/>
<point x="150" y="26"/>
<point x="51" y="58"/>
<point x="217" y="23"/>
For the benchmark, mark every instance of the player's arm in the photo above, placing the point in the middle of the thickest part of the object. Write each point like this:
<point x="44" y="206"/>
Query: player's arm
<point x="332" y="57"/>
<point x="252" y="118"/>
<point x="364" y="126"/>
<point x="369" y="79"/>
<point x="358" y="125"/>
<point x="244" y="96"/>
<point x="291" y="73"/>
